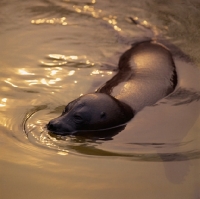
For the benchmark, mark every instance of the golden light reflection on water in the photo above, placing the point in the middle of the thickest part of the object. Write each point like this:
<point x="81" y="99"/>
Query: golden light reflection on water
<point x="62" y="60"/>
<point x="112" y="20"/>
<point x="98" y="72"/>
<point x="96" y="13"/>
<point x="22" y="71"/>
<point x="88" y="9"/>
<point x="3" y="102"/>
<point x="43" y="81"/>
<point x="71" y="72"/>
<point x="8" y="82"/>
<point x="63" y="57"/>
<point x="55" y="63"/>
<point x="53" y="72"/>
<point x="61" y="21"/>
<point x="31" y="82"/>
<point x="48" y="81"/>
<point x="77" y="9"/>
<point x="54" y="69"/>
<point x="63" y="152"/>
<point x="146" y="24"/>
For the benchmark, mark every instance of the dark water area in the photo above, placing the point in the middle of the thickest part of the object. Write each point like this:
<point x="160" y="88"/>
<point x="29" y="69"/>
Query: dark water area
<point x="55" y="51"/>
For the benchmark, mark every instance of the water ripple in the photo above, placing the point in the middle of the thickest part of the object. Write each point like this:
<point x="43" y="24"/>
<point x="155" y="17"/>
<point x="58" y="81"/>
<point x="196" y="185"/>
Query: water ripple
<point x="34" y="127"/>
<point x="71" y="61"/>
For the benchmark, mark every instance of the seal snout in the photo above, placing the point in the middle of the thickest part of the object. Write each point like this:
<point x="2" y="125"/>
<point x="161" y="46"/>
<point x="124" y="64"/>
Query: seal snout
<point x="51" y="126"/>
<point x="57" y="127"/>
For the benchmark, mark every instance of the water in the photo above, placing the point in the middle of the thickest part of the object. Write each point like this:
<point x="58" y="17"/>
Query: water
<point x="54" y="51"/>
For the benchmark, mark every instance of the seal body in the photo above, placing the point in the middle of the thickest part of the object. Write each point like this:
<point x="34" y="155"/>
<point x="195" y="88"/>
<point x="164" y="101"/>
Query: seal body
<point x="146" y="73"/>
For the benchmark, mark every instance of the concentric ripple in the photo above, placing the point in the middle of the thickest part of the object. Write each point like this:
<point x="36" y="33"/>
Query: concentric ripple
<point x="34" y="127"/>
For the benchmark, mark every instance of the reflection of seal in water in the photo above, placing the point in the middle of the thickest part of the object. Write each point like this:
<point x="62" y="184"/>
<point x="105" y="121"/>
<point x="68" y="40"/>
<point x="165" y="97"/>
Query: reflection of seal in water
<point x="146" y="74"/>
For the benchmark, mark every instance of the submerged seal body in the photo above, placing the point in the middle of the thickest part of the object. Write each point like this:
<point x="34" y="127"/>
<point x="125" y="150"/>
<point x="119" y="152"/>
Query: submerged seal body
<point x="146" y="74"/>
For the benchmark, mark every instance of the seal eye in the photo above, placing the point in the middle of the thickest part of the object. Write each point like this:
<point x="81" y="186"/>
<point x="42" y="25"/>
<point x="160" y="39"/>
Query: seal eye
<point x="78" y="119"/>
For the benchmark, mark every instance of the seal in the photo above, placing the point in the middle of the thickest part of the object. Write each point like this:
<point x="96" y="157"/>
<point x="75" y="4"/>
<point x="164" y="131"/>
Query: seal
<point x="146" y="73"/>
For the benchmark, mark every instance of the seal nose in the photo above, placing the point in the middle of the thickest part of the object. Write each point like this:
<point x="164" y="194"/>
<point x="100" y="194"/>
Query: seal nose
<point x="58" y="127"/>
<point x="51" y="126"/>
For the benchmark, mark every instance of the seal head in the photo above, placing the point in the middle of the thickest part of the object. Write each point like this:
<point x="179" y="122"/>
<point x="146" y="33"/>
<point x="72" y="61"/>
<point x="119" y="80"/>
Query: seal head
<point x="91" y="112"/>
